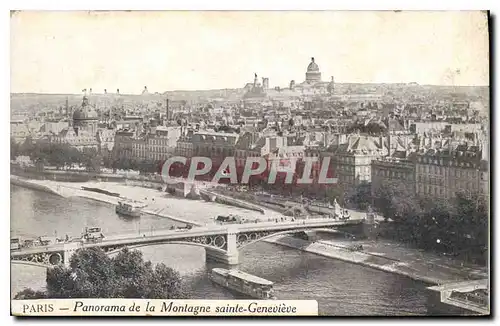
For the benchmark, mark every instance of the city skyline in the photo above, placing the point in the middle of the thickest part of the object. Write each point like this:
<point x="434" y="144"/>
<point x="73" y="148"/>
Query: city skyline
<point x="104" y="50"/>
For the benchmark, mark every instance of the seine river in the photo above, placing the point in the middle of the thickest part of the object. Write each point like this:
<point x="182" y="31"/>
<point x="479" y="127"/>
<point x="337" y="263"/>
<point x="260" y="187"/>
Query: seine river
<point x="340" y="288"/>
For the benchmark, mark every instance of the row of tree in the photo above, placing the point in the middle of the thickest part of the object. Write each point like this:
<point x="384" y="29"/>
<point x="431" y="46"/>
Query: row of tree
<point x="65" y="155"/>
<point x="55" y="154"/>
<point x="458" y="226"/>
<point x="93" y="274"/>
<point x="123" y="161"/>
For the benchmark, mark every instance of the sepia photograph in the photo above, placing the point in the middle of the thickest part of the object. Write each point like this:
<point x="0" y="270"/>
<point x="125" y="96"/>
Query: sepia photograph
<point x="250" y="163"/>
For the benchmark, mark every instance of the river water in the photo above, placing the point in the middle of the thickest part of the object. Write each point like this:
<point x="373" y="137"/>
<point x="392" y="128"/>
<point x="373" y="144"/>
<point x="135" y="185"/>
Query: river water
<point x="341" y="288"/>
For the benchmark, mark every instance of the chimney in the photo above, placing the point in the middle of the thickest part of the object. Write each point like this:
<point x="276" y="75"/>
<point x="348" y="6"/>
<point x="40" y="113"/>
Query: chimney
<point x="167" y="108"/>
<point x="389" y="149"/>
<point x="484" y="152"/>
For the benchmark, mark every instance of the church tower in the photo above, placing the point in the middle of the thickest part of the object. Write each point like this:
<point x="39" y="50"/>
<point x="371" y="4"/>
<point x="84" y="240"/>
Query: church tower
<point x="331" y="86"/>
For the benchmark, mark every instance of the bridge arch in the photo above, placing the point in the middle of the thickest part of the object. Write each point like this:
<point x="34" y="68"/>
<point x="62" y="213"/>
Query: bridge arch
<point x="213" y="248"/>
<point x="167" y="242"/>
<point x="251" y="242"/>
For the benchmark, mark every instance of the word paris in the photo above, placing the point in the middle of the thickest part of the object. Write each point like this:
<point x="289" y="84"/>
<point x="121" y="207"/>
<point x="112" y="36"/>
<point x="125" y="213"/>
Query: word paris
<point x="254" y="166"/>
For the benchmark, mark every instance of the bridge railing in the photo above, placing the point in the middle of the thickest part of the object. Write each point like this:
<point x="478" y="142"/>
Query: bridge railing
<point x="211" y="229"/>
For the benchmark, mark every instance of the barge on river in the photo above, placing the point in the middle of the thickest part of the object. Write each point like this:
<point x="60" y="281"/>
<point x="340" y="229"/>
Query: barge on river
<point x="129" y="208"/>
<point x="243" y="283"/>
<point x="101" y="191"/>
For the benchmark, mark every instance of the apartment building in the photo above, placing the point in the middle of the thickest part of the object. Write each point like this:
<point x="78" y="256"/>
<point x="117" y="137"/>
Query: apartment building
<point x="441" y="173"/>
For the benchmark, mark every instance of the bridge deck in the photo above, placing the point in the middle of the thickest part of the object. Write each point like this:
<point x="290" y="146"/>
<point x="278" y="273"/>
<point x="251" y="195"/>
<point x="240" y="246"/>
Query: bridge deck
<point x="166" y="235"/>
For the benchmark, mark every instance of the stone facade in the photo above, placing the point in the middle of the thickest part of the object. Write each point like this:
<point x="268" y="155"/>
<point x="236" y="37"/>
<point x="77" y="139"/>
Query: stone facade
<point x="400" y="171"/>
<point x="442" y="173"/>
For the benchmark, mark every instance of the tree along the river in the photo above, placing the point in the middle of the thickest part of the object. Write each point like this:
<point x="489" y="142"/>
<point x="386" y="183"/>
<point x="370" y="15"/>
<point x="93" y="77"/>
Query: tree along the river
<point x="93" y="274"/>
<point x="458" y="225"/>
<point x="395" y="201"/>
<point x="58" y="155"/>
<point x="361" y="196"/>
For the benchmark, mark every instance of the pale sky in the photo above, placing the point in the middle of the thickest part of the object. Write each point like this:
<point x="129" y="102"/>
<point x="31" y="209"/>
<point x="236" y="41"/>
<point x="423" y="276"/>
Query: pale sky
<point x="64" y="52"/>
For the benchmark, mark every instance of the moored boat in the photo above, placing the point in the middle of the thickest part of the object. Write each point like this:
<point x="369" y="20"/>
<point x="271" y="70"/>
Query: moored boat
<point x="129" y="208"/>
<point x="244" y="283"/>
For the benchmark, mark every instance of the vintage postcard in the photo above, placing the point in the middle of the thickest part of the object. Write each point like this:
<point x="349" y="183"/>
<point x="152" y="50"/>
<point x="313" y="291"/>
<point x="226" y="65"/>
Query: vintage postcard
<point x="249" y="163"/>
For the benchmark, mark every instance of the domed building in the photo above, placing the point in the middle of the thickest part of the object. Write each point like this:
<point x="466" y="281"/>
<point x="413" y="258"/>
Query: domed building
<point x="313" y="85"/>
<point x="313" y="75"/>
<point x="85" y="118"/>
<point x="82" y="131"/>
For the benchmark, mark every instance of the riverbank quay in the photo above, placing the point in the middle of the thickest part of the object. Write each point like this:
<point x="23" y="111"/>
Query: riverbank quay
<point x="470" y="298"/>
<point x="158" y="203"/>
<point x="251" y="198"/>
<point x="453" y="287"/>
<point x="211" y="195"/>
<point x="21" y="182"/>
<point x="65" y="175"/>
<point x="74" y="190"/>
<point x="390" y="257"/>
<point x="134" y="178"/>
